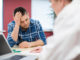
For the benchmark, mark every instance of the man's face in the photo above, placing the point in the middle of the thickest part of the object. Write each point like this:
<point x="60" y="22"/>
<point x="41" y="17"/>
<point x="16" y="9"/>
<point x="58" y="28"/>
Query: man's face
<point x="57" y="5"/>
<point x="25" y="21"/>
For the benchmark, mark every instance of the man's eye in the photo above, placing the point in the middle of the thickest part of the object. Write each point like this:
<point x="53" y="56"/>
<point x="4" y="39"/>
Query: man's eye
<point x="22" y="21"/>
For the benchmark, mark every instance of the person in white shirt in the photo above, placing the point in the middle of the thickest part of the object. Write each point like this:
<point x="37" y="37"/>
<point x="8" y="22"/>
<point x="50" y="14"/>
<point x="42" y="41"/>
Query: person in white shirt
<point x="65" y="43"/>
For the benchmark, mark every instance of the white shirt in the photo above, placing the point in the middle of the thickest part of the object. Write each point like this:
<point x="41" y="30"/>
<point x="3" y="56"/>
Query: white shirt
<point x="65" y="43"/>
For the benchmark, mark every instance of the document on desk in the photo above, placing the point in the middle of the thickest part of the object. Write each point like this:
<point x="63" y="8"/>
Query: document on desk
<point x="26" y="53"/>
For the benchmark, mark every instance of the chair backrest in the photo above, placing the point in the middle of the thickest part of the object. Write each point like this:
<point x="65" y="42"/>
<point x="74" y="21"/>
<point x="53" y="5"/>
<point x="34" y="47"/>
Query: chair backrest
<point x="77" y="58"/>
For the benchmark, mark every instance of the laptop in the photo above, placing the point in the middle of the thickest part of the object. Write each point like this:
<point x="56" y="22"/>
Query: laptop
<point x="7" y="54"/>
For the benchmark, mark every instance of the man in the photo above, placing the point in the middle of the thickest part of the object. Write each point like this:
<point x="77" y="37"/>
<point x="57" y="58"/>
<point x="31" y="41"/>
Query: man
<point x="25" y="32"/>
<point x="65" y="43"/>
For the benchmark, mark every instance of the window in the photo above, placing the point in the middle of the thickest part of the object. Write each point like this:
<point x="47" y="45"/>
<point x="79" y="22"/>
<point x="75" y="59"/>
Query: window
<point x="41" y="10"/>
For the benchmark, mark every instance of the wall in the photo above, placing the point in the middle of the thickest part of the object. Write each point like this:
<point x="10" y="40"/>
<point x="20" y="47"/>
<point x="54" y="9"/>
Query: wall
<point x="41" y="10"/>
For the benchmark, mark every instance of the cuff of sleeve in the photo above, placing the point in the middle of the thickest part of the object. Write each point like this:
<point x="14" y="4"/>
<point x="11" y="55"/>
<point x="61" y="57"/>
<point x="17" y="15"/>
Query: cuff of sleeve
<point x="11" y="42"/>
<point x="44" y="41"/>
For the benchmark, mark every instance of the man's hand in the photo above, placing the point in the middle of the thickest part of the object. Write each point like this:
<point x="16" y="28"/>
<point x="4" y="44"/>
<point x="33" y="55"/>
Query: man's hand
<point x="15" y="32"/>
<point x="17" y="18"/>
<point x="24" y="44"/>
<point x="37" y="50"/>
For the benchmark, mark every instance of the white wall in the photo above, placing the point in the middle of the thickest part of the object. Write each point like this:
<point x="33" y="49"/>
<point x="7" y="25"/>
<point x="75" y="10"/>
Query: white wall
<point x="41" y="11"/>
<point x="1" y="11"/>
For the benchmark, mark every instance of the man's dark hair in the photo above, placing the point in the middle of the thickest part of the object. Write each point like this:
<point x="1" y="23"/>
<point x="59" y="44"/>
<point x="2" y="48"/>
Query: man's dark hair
<point x="70" y="0"/>
<point x="20" y="9"/>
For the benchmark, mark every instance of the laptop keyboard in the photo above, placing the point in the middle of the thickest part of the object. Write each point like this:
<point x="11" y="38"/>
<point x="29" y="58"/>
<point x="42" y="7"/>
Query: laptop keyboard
<point x="16" y="57"/>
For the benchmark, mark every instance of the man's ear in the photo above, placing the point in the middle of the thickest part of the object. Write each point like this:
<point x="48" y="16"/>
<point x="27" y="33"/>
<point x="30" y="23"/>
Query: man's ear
<point x="66" y="2"/>
<point x="28" y="15"/>
<point x="63" y="2"/>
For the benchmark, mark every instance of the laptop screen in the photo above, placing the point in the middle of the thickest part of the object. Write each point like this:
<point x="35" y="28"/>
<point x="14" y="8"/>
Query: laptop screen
<point x="4" y="48"/>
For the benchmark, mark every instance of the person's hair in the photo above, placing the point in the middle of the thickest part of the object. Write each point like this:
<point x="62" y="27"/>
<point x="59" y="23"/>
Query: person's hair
<point x="66" y="0"/>
<point x="21" y="10"/>
<point x="69" y="0"/>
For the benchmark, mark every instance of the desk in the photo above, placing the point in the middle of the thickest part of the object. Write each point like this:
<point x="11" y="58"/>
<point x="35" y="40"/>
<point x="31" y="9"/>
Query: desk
<point x="24" y="51"/>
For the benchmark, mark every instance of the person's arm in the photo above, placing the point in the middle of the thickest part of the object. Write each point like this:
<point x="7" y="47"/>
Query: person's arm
<point x="26" y="44"/>
<point x="15" y="33"/>
<point x="36" y="43"/>
<point x="9" y="37"/>
<point x="16" y="28"/>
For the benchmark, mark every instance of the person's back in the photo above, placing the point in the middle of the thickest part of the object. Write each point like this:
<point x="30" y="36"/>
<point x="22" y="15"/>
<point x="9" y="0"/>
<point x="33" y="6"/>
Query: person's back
<point x="66" y="34"/>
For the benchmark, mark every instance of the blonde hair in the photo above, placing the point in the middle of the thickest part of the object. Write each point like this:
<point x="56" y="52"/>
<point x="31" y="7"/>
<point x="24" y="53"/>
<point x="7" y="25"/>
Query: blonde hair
<point x="66" y="0"/>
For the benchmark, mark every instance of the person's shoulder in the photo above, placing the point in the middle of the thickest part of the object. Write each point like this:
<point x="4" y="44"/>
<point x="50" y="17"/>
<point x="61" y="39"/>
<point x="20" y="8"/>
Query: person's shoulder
<point x="34" y="21"/>
<point x="12" y="23"/>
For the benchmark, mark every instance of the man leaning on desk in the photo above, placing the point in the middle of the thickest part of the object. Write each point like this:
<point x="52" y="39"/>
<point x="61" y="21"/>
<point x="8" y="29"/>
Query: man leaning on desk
<point x="25" y="32"/>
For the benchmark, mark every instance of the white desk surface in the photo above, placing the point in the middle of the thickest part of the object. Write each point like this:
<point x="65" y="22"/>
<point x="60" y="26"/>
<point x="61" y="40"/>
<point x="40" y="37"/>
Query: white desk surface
<point x="25" y="51"/>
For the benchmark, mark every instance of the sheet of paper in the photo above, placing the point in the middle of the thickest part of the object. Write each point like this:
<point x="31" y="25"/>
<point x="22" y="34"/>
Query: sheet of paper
<point x="29" y="53"/>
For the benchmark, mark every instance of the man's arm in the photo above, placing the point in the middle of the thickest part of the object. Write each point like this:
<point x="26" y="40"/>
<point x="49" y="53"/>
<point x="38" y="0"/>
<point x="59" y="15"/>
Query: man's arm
<point x="9" y="37"/>
<point x="36" y="43"/>
<point x="16" y="28"/>
<point x="26" y="44"/>
<point x="15" y="33"/>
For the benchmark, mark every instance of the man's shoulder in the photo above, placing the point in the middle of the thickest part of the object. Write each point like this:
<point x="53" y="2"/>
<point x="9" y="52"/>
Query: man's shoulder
<point x="35" y="22"/>
<point x="12" y="23"/>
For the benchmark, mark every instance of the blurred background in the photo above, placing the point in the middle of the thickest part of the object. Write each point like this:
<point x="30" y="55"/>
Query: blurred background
<point x="38" y="9"/>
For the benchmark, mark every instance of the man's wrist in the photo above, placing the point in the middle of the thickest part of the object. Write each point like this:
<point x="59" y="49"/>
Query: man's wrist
<point x="29" y="44"/>
<point x="17" y="25"/>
